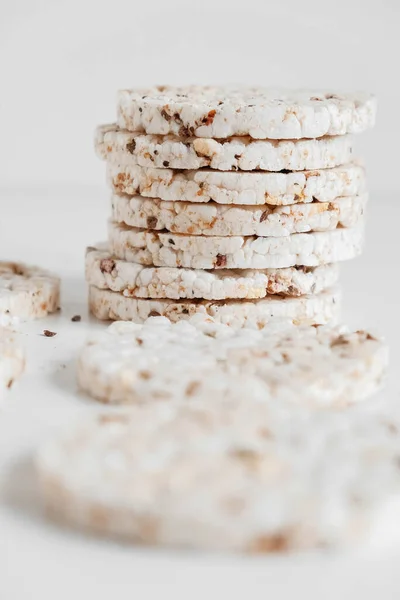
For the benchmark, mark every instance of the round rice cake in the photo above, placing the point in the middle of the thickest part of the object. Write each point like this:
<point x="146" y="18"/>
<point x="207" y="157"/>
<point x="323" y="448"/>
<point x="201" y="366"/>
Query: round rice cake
<point x="224" y="220"/>
<point x="132" y="363"/>
<point x="219" y="112"/>
<point x="104" y="271"/>
<point x="307" y="310"/>
<point x="12" y="359"/>
<point x="160" y="249"/>
<point x="237" y="187"/>
<point x="27" y="292"/>
<point x="231" y="154"/>
<point x="225" y="478"/>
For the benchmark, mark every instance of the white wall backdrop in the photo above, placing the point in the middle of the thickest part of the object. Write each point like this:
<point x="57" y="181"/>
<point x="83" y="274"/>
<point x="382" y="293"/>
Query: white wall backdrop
<point x="62" y="61"/>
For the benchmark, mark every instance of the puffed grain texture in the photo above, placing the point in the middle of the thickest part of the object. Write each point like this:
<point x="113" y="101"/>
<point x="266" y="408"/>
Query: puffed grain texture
<point x="161" y="249"/>
<point x="231" y="154"/>
<point x="239" y="476"/>
<point x="160" y="360"/>
<point x="221" y="220"/>
<point x="307" y="310"/>
<point x="208" y="111"/>
<point x="27" y="292"/>
<point x="237" y="187"/>
<point x="104" y="271"/>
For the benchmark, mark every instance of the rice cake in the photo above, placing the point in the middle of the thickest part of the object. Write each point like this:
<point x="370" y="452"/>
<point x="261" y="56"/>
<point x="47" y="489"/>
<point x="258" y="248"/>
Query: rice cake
<point x="173" y="361"/>
<point x="231" y="154"/>
<point x="279" y="482"/>
<point x="27" y="292"/>
<point x="307" y="310"/>
<point x="222" y="111"/>
<point x="237" y="187"/>
<point x="105" y="271"/>
<point x="214" y="219"/>
<point x="161" y="249"/>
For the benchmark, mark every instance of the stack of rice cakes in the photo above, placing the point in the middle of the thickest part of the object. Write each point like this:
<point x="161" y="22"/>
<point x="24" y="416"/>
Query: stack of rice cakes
<point x="235" y="203"/>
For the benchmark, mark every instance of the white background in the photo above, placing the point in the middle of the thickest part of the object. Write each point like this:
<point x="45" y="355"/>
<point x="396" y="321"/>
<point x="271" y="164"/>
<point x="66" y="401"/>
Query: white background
<point x="60" y="66"/>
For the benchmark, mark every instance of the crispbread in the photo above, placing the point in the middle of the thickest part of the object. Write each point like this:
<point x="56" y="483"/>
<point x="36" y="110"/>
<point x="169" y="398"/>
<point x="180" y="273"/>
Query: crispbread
<point x="27" y="292"/>
<point x="12" y="359"/>
<point x="307" y="310"/>
<point x="236" y="252"/>
<point x="233" y="468"/>
<point x="221" y="220"/>
<point x="104" y="271"/>
<point x="162" y="360"/>
<point x="238" y="153"/>
<point x="237" y="187"/>
<point x="219" y="112"/>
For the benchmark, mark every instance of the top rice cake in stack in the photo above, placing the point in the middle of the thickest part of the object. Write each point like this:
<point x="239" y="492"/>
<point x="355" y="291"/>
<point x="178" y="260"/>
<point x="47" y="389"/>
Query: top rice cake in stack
<point x="216" y="188"/>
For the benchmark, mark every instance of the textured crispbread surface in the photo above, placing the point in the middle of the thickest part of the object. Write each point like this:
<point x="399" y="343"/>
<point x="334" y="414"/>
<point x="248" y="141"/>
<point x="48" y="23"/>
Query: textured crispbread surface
<point x="237" y="153"/>
<point x="27" y="292"/>
<point x="207" y="111"/>
<point x="316" y="366"/>
<point x="308" y="310"/>
<point x="162" y="249"/>
<point x="217" y="219"/>
<point x="237" y="187"/>
<point x="104" y="271"/>
<point x="235" y="466"/>
<point x="12" y="359"/>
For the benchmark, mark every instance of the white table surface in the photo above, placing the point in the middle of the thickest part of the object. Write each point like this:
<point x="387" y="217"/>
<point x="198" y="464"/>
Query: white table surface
<point x="51" y="227"/>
